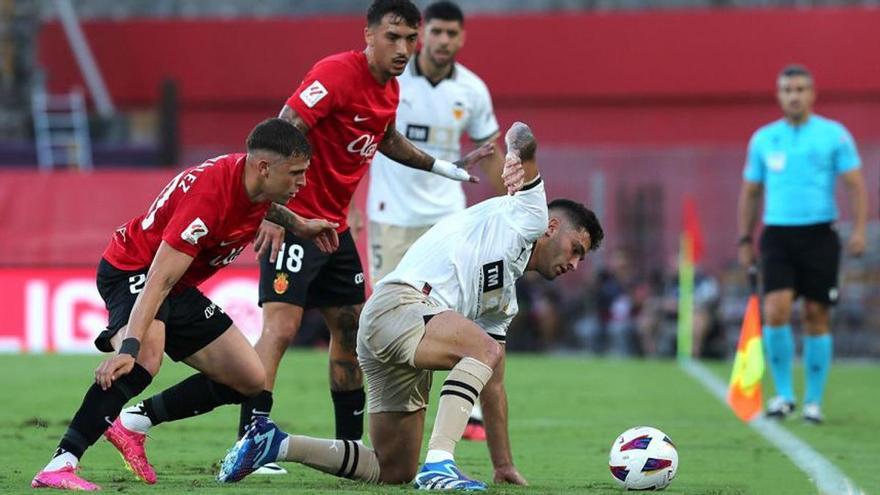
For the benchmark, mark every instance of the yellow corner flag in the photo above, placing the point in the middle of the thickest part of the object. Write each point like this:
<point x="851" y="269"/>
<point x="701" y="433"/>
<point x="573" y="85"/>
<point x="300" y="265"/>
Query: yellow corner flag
<point x="744" y="394"/>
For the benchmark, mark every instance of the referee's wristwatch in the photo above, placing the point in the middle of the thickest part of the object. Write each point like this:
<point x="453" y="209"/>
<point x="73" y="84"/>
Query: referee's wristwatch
<point x="746" y="239"/>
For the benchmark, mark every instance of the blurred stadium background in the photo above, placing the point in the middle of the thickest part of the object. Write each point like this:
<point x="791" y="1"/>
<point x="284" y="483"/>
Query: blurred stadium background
<point x="639" y="105"/>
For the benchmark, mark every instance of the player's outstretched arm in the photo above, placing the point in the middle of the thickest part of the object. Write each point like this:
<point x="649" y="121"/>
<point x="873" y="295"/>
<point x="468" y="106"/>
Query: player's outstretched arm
<point x="395" y="146"/>
<point x="168" y="266"/>
<point x="321" y="231"/>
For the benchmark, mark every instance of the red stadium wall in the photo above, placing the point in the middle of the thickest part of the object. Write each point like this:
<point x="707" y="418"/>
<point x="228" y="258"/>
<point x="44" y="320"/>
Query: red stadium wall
<point x="624" y="102"/>
<point x="656" y="77"/>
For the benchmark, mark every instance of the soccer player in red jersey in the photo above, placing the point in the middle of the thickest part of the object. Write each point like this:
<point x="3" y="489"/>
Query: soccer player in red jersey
<point x="148" y="277"/>
<point x="347" y="104"/>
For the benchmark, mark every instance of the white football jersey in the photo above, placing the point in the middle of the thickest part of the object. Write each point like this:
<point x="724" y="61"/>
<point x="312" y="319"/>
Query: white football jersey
<point x="470" y="261"/>
<point x="434" y="119"/>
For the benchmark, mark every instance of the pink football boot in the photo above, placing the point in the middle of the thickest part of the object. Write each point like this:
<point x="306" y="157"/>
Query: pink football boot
<point x="131" y="445"/>
<point x="63" y="479"/>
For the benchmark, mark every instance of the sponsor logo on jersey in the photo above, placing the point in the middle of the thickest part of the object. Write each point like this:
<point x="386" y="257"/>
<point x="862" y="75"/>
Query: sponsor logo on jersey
<point x="313" y="94"/>
<point x="417" y="132"/>
<point x="195" y="231"/>
<point x="281" y="283"/>
<point x="364" y="145"/>
<point x="493" y="276"/>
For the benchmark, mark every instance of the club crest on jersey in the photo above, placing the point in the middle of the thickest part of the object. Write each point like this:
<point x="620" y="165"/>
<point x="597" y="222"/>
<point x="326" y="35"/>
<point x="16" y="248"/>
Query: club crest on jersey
<point x="313" y="94"/>
<point x="458" y="110"/>
<point x="281" y="283"/>
<point x="195" y="231"/>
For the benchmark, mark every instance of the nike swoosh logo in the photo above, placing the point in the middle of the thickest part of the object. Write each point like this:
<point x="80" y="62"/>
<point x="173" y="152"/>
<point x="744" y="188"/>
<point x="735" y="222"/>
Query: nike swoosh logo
<point x="226" y="243"/>
<point x="358" y="118"/>
<point x="264" y="444"/>
<point x="108" y="420"/>
<point x="358" y="412"/>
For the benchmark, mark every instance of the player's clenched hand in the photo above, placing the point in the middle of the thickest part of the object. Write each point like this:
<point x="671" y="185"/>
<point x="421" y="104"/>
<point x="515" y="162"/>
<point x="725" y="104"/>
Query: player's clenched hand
<point x="856" y="244"/>
<point x="111" y="369"/>
<point x="513" y="173"/>
<point x="509" y="474"/>
<point x="746" y="255"/>
<point x="322" y="232"/>
<point x="269" y="237"/>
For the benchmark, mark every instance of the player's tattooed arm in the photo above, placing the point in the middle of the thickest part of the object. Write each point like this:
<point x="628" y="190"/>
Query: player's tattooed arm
<point x="321" y="231"/>
<point x="402" y="151"/>
<point x="520" y="140"/>
<point x="291" y="116"/>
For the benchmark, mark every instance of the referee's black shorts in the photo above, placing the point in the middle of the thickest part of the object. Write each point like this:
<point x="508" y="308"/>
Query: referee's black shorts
<point x="805" y="258"/>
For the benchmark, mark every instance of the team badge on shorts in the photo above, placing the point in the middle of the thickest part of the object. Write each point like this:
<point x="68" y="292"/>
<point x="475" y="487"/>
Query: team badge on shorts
<point x="281" y="283"/>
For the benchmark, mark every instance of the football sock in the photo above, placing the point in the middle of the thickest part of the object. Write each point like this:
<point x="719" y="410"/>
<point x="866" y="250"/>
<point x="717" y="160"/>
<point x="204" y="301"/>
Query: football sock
<point x="98" y="410"/>
<point x="135" y="418"/>
<point x="780" y="352"/>
<point x="343" y="458"/>
<point x="196" y="395"/>
<point x="349" y="409"/>
<point x="818" y="350"/>
<point x="258" y="405"/>
<point x="60" y="459"/>
<point x="457" y="398"/>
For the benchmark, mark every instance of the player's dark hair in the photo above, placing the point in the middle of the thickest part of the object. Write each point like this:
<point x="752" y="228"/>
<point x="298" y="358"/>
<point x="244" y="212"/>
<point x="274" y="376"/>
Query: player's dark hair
<point x="581" y="217"/>
<point x="279" y="136"/>
<point x="793" y="70"/>
<point x="404" y="9"/>
<point x="445" y="11"/>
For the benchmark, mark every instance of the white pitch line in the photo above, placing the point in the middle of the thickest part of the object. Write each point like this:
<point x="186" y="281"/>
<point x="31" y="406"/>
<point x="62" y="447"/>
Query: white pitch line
<point x="828" y="478"/>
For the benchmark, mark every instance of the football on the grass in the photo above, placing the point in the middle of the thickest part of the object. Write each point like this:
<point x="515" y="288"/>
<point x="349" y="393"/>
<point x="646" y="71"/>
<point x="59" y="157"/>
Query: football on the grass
<point x="643" y="458"/>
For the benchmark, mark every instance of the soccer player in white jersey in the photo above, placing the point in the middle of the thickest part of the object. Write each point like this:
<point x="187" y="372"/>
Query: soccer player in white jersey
<point x="440" y="100"/>
<point x="445" y="307"/>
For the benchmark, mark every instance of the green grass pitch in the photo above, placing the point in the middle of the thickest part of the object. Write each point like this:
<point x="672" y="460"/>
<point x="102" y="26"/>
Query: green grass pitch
<point x="564" y="414"/>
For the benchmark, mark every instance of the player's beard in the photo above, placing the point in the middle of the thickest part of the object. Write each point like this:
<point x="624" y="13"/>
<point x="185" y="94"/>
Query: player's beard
<point x="441" y="64"/>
